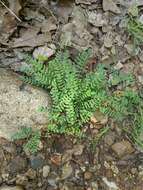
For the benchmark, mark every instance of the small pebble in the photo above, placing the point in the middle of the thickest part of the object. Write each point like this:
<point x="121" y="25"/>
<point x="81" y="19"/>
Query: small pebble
<point x="46" y="170"/>
<point x="87" y="175"/>
<point x="31" y="174"/>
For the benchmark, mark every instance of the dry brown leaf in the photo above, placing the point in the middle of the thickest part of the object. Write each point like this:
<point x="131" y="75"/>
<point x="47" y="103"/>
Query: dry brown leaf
<point x="31" y="38"/>
<point x="7" y="27"/>
<point x="93" y="120"/>
<point x="56" y="159"/>
<point x="63" y="9"/>
<point x="8" y="24"/>
<point x="48" y="25"/>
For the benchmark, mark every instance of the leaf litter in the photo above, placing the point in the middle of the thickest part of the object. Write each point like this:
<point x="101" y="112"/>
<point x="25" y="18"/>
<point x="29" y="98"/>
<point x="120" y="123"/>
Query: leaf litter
<point x="77" y="25"/>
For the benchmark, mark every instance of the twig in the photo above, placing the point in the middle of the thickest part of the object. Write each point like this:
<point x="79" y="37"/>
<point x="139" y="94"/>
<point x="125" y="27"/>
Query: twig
<point x="10" y="11"/>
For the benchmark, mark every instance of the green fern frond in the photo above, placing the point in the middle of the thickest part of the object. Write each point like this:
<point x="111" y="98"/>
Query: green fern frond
<point x="77" y="95"/>
<point x="33" y="142"/>
<point x="82" y="59"/>
<point x="24" y="133"/>
<point x="32" y="137"/>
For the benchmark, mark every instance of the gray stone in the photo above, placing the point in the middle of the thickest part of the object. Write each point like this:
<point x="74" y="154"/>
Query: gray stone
<point x="53" y="179"/>
<point x="52" y="182"/>
<point x="122" y="148"/>
<point x="19" y="106"/>
<point x="37" y="161"/>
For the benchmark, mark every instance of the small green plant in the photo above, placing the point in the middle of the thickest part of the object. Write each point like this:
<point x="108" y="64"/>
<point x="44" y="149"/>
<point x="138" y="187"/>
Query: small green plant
<point x="135" y="29"/>
<point x="32" y="137"/>
<point x="137" y="131"/>
<point x="77" y="93"/>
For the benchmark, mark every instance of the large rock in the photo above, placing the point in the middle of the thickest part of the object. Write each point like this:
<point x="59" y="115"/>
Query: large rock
<point x="19" y="104"/>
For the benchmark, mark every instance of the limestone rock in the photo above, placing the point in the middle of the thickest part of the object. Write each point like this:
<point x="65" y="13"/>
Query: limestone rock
<point x="19" y="104"/>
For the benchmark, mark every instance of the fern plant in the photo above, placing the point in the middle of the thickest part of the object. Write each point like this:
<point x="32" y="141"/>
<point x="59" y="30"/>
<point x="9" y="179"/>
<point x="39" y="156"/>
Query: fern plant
<point x="135" y="29"/>
<point x="32" y="137"/>
<point x="77" y="93"/>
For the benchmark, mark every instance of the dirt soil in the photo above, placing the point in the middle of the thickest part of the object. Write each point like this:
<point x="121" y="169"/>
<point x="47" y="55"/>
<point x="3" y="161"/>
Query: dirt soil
<point x="67" y="163"/>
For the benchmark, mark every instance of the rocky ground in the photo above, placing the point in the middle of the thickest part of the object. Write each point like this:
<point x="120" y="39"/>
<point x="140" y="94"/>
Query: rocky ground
<point x="65" y="163"/>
